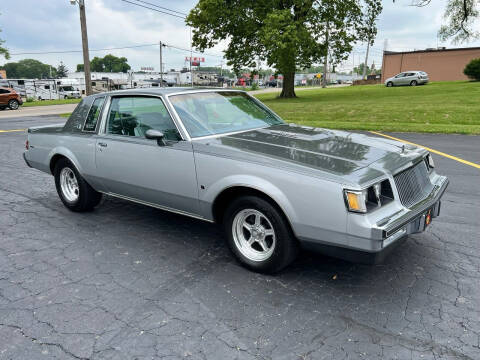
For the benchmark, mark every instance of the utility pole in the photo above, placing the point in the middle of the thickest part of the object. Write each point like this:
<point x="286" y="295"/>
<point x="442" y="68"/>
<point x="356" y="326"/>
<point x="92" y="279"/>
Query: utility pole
<point x="161" y="65"/>
<point x="325" y="64"/>
<point x="191" y="55"/>
<point x="366" y="60"/>
<point x="86" y="58"/>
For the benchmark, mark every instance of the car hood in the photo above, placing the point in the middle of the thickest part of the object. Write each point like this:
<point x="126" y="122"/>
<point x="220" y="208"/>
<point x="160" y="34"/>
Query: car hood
<point x="336" y="152"/>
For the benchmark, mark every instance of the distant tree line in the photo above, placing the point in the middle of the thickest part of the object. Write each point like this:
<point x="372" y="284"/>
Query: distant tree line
<point x="109" y="63"/>
<point x="34" y="69"/>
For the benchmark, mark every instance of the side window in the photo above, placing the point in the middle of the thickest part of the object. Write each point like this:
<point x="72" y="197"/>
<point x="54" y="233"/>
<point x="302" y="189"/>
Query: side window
<point x="134" y="115"/>
<point x="93" y="115"/>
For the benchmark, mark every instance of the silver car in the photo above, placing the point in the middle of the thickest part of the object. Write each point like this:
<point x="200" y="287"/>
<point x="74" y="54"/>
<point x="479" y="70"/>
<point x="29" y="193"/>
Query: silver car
<point x="412" y="78"/>
<point x="224" y="157"/>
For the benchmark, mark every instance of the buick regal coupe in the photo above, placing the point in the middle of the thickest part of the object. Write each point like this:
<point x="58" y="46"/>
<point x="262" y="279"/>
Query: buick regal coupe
<point x="222" y="156"/>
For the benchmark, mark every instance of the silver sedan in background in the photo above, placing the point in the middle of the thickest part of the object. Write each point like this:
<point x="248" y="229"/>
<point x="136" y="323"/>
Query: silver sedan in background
<point x="412" y="78"/>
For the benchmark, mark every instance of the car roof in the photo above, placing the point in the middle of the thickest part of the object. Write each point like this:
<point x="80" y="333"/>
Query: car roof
<point x="162" y="90"/>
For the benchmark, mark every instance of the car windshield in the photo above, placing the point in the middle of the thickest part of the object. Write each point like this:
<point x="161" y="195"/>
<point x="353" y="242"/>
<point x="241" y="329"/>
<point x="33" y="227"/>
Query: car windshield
<point x="212" y="113"/>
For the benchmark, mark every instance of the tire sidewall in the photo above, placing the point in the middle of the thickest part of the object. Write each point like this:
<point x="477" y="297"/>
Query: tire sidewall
<point x="413" y="83"/>
<point x="14" y="107"/>
<point x="389" y="84"/>
<point x="285" y="249"/>
<point x="59" y="166"/>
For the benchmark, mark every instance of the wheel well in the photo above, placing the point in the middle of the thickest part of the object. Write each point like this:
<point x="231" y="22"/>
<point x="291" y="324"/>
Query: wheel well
<point x="54" y="161"/>
<point x="228" y="195"/>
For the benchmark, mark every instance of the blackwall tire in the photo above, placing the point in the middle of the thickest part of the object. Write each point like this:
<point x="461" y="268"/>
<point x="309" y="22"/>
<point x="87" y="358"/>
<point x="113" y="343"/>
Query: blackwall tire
<point x="259" y="235"/>
<point x="76" y="194"/>
<point x="13" y="104"/>
<point x="390" y="84"/>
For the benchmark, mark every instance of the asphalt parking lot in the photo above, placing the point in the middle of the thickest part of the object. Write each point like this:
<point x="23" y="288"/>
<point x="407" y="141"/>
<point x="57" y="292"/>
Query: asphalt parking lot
<point x="131" y="282"/>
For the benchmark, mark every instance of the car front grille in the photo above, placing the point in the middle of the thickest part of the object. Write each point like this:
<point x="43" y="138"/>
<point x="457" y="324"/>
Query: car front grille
<point x="413" y="184"/>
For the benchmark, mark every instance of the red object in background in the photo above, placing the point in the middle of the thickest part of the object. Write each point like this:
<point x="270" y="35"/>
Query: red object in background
<point x="195" y="63"/>
<point x="241" y="82"/>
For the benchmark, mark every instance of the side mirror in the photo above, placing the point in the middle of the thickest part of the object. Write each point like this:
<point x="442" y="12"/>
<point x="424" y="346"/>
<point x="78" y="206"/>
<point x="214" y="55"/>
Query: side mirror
<point x="155" y="135"/>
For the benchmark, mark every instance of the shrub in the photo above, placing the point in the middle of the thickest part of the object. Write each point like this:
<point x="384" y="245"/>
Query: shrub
<point x="472" y="70"/>
<point x="254" y="86"/>
<point x="30" y="99"/>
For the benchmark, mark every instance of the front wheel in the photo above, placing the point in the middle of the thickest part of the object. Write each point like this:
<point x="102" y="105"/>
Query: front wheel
<point x="390" y="84"/>
<point x="13" y="104"/>
<point x="259" y="235"/>
<point x="413" y="83"/>
<point x="76" y="194"/>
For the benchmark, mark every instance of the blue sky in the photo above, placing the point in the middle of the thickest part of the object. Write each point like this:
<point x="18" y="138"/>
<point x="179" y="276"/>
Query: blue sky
<point x="53" y="25"/>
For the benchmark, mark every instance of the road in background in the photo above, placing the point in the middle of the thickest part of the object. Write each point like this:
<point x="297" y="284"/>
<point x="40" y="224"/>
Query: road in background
<point x="36" y="111"/>
<point x="128" y="281"/>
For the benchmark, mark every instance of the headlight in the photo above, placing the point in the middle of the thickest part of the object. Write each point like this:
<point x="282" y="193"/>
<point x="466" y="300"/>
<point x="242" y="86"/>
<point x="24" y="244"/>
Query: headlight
<point x="429" y="161"/>
<point x="362" y="201"/>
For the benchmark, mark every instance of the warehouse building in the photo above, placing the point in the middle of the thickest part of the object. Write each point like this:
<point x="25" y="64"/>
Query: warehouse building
<point x="440" y="64"/>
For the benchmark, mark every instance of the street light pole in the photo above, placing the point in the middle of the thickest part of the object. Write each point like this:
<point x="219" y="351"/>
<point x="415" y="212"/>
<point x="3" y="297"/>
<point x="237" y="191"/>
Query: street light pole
<point x="86" y="58"/>
<point x="161" y="66"/>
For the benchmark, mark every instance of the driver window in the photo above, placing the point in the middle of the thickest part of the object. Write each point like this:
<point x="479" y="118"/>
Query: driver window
<point x="134" y="115"/>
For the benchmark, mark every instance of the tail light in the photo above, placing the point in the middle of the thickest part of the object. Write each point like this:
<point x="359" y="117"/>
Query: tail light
<point x="27" y="145"/>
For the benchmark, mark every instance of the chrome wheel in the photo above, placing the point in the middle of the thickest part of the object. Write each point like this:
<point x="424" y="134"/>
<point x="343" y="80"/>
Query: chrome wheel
<point x="69" y="184"/>
<point x="253" y="235"/>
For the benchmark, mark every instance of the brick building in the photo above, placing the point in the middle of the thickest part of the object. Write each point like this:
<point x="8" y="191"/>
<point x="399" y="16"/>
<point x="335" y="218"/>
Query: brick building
<point x="440" y="64"/>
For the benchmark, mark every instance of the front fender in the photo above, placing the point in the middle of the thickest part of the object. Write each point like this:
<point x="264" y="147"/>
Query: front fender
<point x="208" y="196"/>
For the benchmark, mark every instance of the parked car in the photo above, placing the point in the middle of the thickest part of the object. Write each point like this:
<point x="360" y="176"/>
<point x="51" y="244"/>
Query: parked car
<point x="412" y="78"/>
<point x="9" y="98"/>
<point x="272" y="83"/>
<point x="224" y="157"/>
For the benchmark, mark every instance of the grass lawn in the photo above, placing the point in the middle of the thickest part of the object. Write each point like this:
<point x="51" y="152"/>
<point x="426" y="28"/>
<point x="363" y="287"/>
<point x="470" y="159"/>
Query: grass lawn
<point x="442" y="107"/>
<point x="51" y="102"/>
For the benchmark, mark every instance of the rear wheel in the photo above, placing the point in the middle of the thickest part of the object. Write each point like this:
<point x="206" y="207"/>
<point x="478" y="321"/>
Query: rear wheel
<point x="13" y="104"/>
<point x="390" y="84"/>
<point x="3" y="107"/>
<point x="75" y="193"/>
<point x="259" y="235"/>
<point x="413" y="83"/>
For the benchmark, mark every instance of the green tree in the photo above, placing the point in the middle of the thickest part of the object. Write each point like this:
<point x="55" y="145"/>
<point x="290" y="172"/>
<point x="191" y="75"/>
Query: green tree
<point x="109" y="63"/>
<point x="29" y="69"/>
<point x="62" y="70"/>
<point x="4" y="51"/>
<point x="460" y="17"/>
<point x="369" y="31"/>
<point x="287" y="34"/>
<point x="472" y="70"/>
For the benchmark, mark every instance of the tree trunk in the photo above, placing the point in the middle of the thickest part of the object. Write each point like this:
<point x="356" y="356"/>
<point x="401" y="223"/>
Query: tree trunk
<point x="325" y="64"/>
<point x="288" y="86"/>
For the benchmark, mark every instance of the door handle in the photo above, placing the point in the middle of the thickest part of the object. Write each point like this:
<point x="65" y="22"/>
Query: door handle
<point x="101" y="144"/>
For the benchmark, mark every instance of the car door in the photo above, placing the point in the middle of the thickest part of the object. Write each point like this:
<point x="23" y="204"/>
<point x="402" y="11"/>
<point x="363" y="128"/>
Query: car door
<point x="150" y="171"/>
<point x="409" y="77"/>
<point x="4" y="97"/>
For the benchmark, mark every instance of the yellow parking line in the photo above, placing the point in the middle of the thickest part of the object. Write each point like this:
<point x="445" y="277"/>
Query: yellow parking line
<point x="7" y="131"/>
<point x="431" y="150"/>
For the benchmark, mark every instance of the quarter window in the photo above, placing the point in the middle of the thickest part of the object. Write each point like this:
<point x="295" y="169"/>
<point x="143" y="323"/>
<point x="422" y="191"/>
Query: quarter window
<point x="93" y="114"/>
<point x="134" y="115"/>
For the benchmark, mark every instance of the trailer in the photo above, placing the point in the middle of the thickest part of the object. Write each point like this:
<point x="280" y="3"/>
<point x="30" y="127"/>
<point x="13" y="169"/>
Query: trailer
<point x="44" y="89"/>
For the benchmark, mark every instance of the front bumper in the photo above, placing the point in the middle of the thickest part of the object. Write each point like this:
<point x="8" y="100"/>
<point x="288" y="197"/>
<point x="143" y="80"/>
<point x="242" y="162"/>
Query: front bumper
<point x="372" y="243"/>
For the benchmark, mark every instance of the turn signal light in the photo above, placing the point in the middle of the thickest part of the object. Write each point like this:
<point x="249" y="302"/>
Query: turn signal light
<point x="356" y="201"/>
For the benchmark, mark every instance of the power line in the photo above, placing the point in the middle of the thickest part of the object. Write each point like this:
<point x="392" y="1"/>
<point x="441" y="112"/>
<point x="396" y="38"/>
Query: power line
<point x="77" y="51"/>
<point x="161" y="7"/>
<point x="150" y="8"/>
<point x="114" y="48"/>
